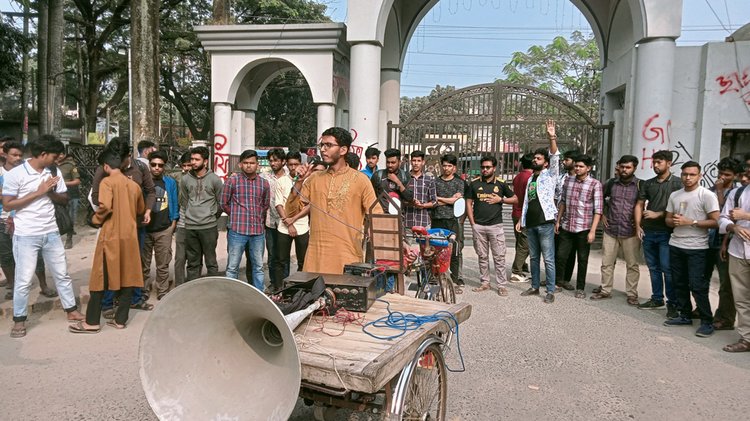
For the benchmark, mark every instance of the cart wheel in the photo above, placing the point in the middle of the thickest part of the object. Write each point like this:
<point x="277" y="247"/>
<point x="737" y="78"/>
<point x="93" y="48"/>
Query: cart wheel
<point x="423" y="285"/>
<point x="422" y="389"/>
<point x="447" y="291"/>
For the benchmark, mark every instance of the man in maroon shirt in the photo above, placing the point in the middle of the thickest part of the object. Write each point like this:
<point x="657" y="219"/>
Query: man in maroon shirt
<point x="520" y="268"/>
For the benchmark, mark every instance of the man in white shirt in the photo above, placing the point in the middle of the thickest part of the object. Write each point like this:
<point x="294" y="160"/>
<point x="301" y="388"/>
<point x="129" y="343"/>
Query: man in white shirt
<point x="30" y="190"/>
<point x="691" y="211"/>
<point x="735" y="219"/>
<point x="291" y="227"/>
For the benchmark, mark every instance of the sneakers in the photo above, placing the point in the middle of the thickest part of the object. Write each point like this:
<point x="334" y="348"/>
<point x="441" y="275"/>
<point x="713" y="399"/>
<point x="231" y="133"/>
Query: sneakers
<point x="679" y="321"/>
<point x="651" y="305"/>
<point x="565" y="285"/>
<point x="549" y="298"/>
<point x="705" y="330"/>
<point x="672" y="311"/>
<point x="518" y="278"/>
<point x="530" y="291"/>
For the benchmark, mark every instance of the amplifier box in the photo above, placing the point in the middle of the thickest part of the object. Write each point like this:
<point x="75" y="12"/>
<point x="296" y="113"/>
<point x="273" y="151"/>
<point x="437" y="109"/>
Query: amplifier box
<point x="354" y="293"/>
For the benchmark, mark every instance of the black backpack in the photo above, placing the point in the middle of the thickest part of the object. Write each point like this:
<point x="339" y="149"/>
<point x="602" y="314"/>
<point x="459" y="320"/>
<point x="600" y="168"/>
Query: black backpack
<point x="62" y="217"/>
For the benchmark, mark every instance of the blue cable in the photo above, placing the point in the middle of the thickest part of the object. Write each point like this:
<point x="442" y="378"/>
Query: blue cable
<point x="407" y="322"/>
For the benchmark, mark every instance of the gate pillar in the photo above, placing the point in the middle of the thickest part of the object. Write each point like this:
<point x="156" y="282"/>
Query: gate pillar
<point x="221" y="139"/>
<point x="365" y="93"/>
<point x="248" y="129"/>
<point x="653" y="101"/>
<point x="326" y="117"/>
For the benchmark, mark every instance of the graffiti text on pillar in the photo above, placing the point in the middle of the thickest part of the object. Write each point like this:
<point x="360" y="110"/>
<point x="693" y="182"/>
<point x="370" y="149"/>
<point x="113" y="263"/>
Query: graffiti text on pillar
<point x="221" y="158"/>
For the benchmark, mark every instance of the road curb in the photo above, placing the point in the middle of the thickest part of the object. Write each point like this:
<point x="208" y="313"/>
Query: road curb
<point x="44" y="306"/>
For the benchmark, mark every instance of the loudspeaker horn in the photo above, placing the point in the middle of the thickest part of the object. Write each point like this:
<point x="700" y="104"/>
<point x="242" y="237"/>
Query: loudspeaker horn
<point x="217" y="348"/>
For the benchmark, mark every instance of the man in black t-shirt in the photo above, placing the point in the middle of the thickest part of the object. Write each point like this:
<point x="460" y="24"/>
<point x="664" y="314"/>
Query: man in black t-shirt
<point x="164" y="216"/>
<point x="449" y="188"/>
<point x="484" y="205"/>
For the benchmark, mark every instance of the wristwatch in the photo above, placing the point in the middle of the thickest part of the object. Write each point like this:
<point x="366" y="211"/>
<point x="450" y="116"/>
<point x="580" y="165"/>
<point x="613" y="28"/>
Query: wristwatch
<point x="694" y="224"/>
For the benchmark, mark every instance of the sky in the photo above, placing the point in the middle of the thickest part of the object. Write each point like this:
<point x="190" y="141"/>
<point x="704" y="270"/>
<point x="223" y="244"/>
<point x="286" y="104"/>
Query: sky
<point x="467" y="42"/>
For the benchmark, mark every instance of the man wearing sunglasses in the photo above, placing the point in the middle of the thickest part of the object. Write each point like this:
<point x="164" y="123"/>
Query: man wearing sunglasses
<point x="164" y="215"/>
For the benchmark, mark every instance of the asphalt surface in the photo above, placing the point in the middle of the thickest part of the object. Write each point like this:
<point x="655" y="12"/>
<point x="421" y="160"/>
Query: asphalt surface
<point x="571" y="360"/>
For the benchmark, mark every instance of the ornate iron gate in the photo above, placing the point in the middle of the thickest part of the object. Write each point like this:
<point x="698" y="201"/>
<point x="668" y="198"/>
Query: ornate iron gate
<point x="502" y="120"/>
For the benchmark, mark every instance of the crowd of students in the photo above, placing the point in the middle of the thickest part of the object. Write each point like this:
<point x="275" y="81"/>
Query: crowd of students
<point x="684" y="229"/>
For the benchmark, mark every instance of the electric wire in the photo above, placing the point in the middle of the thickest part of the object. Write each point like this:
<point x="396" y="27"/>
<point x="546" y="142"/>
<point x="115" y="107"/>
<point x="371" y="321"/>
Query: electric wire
<point x="405" y="322"/>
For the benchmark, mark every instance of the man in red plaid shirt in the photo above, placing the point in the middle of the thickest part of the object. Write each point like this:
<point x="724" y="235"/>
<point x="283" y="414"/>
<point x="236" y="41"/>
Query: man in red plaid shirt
<point x="246" y="199"/>
<point x="578" y="215"/>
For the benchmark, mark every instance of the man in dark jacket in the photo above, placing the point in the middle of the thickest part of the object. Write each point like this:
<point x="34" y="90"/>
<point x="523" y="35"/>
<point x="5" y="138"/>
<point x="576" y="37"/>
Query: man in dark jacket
<point x="392" y="180"/>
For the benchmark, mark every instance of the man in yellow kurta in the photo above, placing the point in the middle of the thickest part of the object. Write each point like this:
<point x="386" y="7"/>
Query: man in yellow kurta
<point x="117" y="262"/>
<point x="340" y="197"/>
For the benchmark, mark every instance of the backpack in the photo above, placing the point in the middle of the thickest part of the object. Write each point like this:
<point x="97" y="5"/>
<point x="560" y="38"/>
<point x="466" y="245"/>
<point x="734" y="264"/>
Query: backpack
<point x="62" y="217"/>
<point x="737" y="196"/>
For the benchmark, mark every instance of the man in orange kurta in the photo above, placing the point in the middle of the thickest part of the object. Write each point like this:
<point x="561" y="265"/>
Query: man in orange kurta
<point x="117" y="261"/>
<point x="340" y="197"/>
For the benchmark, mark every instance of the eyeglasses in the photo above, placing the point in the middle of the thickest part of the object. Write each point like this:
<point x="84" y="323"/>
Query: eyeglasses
<point x="485" y="167"/>
<point x="156" y="165"/>
<point x="322" y="146"/>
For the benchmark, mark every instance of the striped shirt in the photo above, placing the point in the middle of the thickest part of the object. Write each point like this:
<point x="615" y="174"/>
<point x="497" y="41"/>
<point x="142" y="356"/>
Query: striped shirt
<point x="425" y="192"/>
<point x="246" y="201"/>
<point x="582" y="199"/>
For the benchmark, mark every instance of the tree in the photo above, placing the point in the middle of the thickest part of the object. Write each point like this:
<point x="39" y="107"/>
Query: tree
<point x="12" y="44"/>
<point x="567" y="68"/>
<point x="410" y="106"/>
<point x="144" y="53"/>
<point x="286" y="113"/>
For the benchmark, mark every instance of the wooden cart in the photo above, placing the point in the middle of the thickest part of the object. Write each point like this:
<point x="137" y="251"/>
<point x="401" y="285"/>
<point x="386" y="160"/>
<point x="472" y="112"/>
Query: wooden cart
<point x="401" y="378"/>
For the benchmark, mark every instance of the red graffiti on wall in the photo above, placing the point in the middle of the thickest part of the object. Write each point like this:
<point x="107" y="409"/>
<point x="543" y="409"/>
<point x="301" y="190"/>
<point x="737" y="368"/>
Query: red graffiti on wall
<point x="735" y="82"/>
<point x="221" y="159"/>
<point x="652" y="130"/>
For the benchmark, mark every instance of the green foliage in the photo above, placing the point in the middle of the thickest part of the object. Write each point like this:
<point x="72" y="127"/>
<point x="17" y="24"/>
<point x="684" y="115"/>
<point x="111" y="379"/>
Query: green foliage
<point x="286" y="114"/>
<point x="278" y="11"/>
<point x="565" y="67"/>
<point x="410" y="106"/>
<point x="12" y="44"/>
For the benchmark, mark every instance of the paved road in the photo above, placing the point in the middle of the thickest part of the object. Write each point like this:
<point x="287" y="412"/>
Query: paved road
<point x="572" y="360"/>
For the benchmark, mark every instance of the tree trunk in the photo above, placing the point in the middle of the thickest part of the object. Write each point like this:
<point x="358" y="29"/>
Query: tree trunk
<point x="221" y="12"/>
<point x="144" y="36"/>
<point x="41" y="85"/>
<point x="55" y="76"/>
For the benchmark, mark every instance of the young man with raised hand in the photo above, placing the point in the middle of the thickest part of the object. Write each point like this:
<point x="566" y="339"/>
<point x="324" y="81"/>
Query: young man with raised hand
<point x="539" y="214"/>
<point x="31" y="191"/>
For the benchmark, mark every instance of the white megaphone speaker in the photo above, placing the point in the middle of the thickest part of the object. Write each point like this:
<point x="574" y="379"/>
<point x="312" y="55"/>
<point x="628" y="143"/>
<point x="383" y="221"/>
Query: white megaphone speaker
<point x="218" y="349"/>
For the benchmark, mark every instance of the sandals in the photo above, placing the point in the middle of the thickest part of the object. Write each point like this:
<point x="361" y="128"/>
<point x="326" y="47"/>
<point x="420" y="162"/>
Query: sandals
<point x="580" y="294"/>
<point x="482" y="288"/>
<point x="458" y="289"/>
<point x="115" y="325"/>
<point x="739" y="346"/>
<point x="600" y="296"/>
<point x="109" y="313"/>
<point x="79" y="328"/>
<point x="633" y="301"/>
<point x="18" y="332"/>
<point x="502" y="291"/>
<point x="142" y="305"/>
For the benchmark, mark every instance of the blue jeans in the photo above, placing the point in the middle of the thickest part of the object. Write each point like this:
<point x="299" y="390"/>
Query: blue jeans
<point x="542" y="243"/>
<point x="108" y="301"/>
<point x="656" y="251"/>
<point x="25" y="251"/>
<point x="236" y="244"/>
<point x="73" y="205"/>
